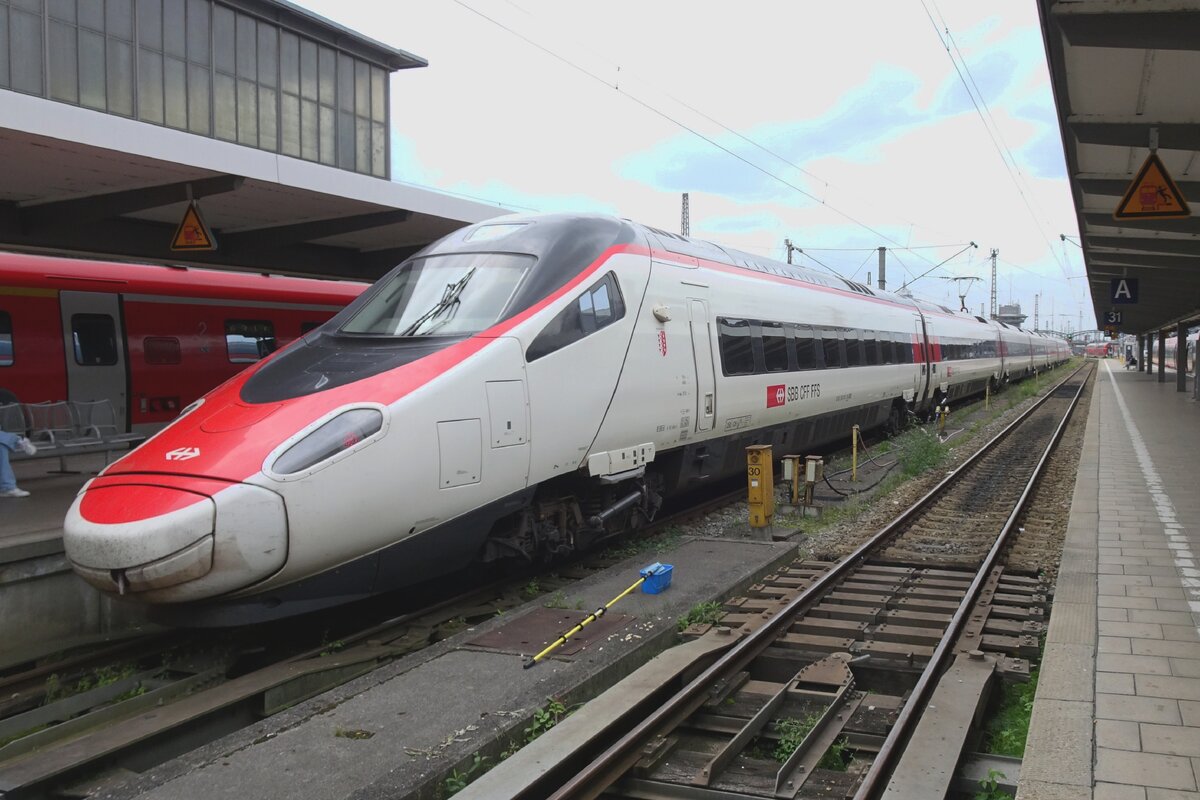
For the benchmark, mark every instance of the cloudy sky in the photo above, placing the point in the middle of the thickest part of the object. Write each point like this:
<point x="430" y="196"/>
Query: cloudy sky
<point x="843" y="126"/>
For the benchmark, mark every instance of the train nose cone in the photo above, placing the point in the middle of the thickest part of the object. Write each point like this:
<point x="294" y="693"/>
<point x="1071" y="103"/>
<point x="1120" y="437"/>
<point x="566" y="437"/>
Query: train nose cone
<point x="127" y="535"/>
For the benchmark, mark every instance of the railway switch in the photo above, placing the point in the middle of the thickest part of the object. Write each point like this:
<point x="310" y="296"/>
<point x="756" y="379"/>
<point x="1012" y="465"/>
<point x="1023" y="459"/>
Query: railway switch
<point x="761" y="485"/>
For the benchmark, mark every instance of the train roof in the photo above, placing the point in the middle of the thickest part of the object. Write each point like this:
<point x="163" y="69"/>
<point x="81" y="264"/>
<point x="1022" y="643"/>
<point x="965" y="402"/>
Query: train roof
<point x="44" y="272"/>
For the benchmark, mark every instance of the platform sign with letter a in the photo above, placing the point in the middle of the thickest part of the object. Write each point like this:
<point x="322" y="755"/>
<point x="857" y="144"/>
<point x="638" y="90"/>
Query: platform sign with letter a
<point x="1123" y="291"/>
<point x="193" y="233"/>
<point x="1152" y="195"/>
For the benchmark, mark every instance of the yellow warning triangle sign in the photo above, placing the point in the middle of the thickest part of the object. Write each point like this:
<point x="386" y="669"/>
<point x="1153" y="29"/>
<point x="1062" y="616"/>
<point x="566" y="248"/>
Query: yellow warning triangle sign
<point x="193" y="233"/>
<point x="1152" y="195"/>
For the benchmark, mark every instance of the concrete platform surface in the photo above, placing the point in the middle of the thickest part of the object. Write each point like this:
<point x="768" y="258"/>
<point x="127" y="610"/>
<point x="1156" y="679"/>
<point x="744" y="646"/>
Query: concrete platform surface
<point x="32" y="526"/>
<point x="1117" y="712"/>
<point x="436" y="709"/>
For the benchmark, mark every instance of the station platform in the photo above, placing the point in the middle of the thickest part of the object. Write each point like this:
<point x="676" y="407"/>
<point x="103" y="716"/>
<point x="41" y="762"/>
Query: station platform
<point x="1117" y="711"/>
<point x="36" y="582"/>
<point x="398" y="730"/>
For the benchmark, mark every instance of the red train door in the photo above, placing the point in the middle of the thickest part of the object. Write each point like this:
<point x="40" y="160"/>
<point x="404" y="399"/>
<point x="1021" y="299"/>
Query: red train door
<point x="95" y="349"/>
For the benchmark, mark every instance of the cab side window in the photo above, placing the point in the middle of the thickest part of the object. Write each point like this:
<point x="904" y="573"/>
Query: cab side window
<point x="597" y="308"/>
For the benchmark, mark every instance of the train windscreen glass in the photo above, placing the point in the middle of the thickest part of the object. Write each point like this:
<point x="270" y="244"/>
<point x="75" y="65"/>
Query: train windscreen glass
<point x="456" y="294"/>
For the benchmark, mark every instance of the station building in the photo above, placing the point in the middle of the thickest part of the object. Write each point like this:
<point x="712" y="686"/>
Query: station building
<point x="113" y="113"/>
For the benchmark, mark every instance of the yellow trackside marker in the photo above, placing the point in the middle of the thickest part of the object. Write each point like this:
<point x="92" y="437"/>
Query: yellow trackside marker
<point x="760" y="477"/>
<point x="1152" y="195"/>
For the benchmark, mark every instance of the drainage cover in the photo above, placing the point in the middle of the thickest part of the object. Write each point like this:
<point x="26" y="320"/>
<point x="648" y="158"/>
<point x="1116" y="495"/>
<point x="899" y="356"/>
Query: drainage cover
<point x="531" y="633"/>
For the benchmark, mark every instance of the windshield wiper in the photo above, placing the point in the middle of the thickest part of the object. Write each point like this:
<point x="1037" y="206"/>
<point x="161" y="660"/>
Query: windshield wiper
<point x="450" y="299"/>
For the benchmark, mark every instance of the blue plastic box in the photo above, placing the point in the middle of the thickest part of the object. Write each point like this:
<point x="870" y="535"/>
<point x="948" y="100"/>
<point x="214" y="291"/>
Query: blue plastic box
<point x="658" y="578"/>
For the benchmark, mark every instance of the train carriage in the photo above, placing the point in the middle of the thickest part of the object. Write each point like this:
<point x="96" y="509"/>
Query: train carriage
<point x="148" y="339"/>
<point x="523" y="387"/>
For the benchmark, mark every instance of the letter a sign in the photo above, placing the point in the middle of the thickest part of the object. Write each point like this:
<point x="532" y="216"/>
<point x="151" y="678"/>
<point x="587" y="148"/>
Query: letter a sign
<point x="1124" y="291"/>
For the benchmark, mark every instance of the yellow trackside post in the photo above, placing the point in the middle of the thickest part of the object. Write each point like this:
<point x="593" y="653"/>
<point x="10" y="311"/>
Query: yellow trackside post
<point x="760" y="480"/>
<point x="854" y="454"/>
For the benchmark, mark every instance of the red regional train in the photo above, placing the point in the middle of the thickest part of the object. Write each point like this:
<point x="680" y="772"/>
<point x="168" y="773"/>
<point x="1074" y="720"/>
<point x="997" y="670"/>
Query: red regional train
<point x="150" y="339"/>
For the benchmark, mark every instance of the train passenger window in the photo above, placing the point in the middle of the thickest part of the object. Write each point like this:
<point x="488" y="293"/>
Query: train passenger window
<point x="831" y="347"/>
<point x="806" y="351"/>
<point x="854" y="356"/>
<point x="887" y="347"/>
<point x="95" y="339"/>
<point x="775" y="350"/>
<point x="249" y="340"/>
<point x="598" y="307"/>
<point x="737" y="352"/>
<point x="161" y="350"/>
<point x="870" y="348"/>
<point x="6" y="340"/>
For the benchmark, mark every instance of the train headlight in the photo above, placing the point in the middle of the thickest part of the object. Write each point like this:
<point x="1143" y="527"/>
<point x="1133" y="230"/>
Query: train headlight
<point x="340" y="433"/>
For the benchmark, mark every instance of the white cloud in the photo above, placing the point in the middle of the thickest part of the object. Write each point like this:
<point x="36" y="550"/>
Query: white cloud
<point x="860" y="93"/>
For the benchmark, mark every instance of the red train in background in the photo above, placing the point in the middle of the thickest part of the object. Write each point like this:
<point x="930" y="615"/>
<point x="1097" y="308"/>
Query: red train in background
<point x="150" y="339"/>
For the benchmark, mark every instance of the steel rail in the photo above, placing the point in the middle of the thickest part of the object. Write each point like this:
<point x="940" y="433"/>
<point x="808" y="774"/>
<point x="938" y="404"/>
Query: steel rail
<point x="891" y="748"/>
<point x="594" y="778"/>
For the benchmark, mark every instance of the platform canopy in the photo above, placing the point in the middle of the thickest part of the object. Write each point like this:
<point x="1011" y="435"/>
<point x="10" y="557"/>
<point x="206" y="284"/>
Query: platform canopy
<point x="1124" y="71"/>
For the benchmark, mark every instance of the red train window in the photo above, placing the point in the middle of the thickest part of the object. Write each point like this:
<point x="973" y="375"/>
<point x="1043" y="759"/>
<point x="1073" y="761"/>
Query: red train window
<point x="6" y="343"/>
<point x="161" y="350"/>
<point x="249" y="340"/>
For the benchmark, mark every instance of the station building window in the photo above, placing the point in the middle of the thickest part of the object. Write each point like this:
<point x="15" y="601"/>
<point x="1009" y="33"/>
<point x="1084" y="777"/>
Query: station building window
<point x="6" y="339"/>
<point x="249" y="340"/>
<point x="202" y="67"/>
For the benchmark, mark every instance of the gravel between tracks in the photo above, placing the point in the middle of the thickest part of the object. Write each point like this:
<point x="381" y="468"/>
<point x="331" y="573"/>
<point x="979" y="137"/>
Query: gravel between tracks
<point x="1037" y="550"/>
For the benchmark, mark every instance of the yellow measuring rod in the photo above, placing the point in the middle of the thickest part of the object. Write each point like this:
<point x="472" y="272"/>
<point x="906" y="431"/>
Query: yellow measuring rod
<point x="648" y="572"/>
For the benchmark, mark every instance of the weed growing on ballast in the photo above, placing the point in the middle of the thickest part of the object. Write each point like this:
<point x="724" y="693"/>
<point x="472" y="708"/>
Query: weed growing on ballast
<point x="989" y="787"/>
<point x="1007" y="730"/>
<point x="456" y="781"/>
<point x="791" y="734"/>
<point x="531" y="589"/>
<point x="702" y="614"/>
<point x="556" y="600"/>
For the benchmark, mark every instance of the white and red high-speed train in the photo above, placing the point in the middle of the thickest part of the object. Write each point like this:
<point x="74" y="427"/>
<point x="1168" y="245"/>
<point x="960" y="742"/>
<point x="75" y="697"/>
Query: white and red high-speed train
<point x="522" y="387"/>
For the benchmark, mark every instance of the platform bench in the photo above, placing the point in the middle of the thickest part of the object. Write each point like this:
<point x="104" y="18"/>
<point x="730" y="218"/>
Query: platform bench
<point x="67" y="428"/>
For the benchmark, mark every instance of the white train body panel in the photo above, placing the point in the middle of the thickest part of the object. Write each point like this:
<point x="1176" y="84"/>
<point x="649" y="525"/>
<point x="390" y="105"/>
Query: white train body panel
<point x="622" y="362"/>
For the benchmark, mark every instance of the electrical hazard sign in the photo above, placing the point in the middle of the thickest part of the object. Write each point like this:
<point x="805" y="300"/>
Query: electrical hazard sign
<point x="193" y="233"/>
<point x="1152" y="195"/>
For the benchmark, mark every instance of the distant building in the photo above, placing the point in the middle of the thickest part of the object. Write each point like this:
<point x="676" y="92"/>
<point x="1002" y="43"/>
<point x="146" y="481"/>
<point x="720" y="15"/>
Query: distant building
<point x="1011" y="315"/>
<point x="261" y="73"/>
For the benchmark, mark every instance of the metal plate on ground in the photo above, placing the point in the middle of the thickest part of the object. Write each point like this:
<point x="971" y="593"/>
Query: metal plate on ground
<point x="531" y="633"/>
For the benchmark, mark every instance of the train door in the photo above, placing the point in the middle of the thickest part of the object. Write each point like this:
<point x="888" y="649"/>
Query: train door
<point x="95" y="349"/>
<point x="925" y="358"/>
<point x="706" y="389"/>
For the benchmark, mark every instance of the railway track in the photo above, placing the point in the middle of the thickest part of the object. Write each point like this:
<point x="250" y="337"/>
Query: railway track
<point x="177" y="692"/>
<point x="150" y="698"/>
<point x="860" y="678"/>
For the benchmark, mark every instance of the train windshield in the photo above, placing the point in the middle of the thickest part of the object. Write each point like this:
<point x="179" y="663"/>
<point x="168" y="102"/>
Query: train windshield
<point x="457" y="294"/>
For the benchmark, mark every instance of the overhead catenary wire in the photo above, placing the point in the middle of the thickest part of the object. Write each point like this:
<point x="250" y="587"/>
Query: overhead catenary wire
<point x="1009" y="161"/>
<point x="936" y="266"/>
<point x="660" y="113"/>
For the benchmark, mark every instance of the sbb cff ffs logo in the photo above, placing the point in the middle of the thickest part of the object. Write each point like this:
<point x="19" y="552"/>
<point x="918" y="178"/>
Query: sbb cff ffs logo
<point x="782" y="394"/>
